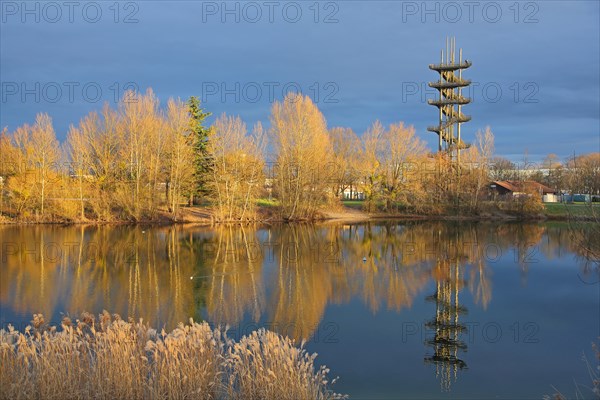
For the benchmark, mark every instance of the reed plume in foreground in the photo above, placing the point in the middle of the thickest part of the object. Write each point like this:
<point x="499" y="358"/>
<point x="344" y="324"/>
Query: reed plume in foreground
<point x="107" y="358"/>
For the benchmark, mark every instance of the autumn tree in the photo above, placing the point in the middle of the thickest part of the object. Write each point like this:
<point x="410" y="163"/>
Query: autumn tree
<point x="8" y="164"/>
<point x="390" y="163"/>
<point x="370" y="162"/>
<point x="20" y="183"/>
<point x="7" y="154"/>
<point x="35" y="156"/>
<point x="344" y="165"/>
<point x="102" y="138"/>
<point x="554" y="176"/>
<point x="584" y="173"/>
<point x="502" y="169"/>
<point x="45" y="155"/>
<point x="79" y="151"/>
<point x="303" y="152"/>
<point x="475" y="171"/>
<point x="180" y="154"/>
<point x="143" y="146"/>
<point x="401" y="152"/>
<point x="237" y="171"/>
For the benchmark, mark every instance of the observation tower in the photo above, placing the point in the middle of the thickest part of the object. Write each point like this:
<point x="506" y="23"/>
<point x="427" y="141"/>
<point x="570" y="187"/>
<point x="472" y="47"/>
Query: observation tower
<point x="451" y="100"/>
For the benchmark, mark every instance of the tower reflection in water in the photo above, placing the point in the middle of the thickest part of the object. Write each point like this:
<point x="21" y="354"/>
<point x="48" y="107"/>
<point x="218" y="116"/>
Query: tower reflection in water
<point x="445" y="342"/>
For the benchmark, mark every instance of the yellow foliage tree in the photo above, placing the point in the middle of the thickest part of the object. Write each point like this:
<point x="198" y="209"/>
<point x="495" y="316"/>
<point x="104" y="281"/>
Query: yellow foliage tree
<point x="237" y="176"/>
<point x="303" y="153"/>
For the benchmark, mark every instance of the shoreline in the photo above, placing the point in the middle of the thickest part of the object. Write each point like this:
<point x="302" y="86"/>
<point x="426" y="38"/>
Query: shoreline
<point x="346" y="215"/>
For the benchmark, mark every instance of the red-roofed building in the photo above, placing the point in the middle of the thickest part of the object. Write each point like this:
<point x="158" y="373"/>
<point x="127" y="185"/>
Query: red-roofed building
<point x="518" y="188"/>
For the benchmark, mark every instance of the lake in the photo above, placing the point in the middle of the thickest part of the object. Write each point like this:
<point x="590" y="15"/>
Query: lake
<point x="395" y="309"/>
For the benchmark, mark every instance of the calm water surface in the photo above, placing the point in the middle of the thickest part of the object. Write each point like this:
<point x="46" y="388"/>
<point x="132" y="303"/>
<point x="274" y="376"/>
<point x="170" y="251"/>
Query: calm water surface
<point x="412" y="310"/>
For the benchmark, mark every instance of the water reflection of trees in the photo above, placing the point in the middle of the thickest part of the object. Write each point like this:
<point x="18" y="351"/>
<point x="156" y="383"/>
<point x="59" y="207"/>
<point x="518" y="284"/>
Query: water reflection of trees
<point x="234" y="278"/>
<point x="137" y="273"/>
<point x="283" y="275"/>
<point x="579" y="238"/>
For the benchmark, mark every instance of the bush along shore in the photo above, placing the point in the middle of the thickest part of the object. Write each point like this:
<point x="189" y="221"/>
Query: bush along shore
<point x="109" y="358"/>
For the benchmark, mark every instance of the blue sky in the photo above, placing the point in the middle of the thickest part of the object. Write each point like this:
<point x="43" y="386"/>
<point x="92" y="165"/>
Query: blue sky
<point x="535" y="64"/>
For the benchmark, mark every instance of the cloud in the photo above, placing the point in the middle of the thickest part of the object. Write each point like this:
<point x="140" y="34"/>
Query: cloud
<point x="367" y="49"/>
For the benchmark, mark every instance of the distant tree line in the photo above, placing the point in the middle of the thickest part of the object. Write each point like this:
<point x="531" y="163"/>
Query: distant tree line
<point x="142" y="162"/>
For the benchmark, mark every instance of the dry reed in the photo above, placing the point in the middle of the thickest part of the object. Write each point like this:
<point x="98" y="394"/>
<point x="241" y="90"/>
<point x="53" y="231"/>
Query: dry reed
<point x="107" y="358"/>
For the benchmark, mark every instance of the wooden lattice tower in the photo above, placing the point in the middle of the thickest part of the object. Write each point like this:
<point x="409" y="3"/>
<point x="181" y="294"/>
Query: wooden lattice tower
<point x="450" y="100"/>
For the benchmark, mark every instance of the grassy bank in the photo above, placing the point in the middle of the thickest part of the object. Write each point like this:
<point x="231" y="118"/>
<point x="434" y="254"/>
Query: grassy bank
<point x="108" y="358"/>
<point x="489" y="210"/>
<point x="575" y="211"/>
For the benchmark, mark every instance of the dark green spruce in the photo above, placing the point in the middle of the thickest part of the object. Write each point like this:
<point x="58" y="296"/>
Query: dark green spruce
<point x="200" y="136"/>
